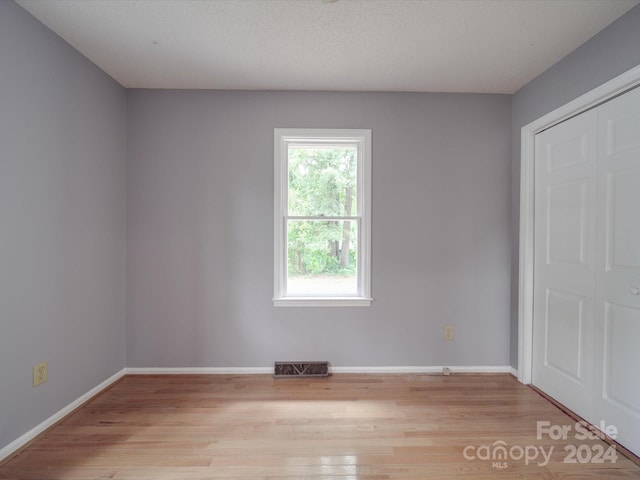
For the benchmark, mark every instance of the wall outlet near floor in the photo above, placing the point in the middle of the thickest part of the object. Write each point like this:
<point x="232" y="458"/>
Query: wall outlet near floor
<point x="40" y="373"/>
<point x="446" y="371"/>
<point x="448" y="332"/>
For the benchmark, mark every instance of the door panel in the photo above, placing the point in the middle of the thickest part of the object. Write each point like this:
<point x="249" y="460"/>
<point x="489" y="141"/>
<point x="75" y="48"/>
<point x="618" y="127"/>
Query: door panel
<point x="617" y="329"/>
<point x="622" y="214"/>
<point x="622" y="331"/>
<point x="621" y="130"/>
<point x="569" y="152"/>
<point x="565" y="334"/>
<point x="567" y="211"/>
<point x="586" y="326"/>
<point x="565" y="261"/>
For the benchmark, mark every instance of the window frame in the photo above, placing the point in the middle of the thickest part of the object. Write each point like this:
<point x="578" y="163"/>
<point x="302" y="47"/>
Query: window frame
<point x="361" y="138"/>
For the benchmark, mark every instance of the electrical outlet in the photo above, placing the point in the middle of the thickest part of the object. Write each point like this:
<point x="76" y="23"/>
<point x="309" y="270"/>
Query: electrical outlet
<point x="448" y="332"/>
<point x="446" y="371"/>
<point x="40" y="373"/>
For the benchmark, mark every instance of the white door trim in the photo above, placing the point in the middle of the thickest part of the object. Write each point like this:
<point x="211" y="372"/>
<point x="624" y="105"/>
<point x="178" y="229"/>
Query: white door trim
<point x="604" y="92"/>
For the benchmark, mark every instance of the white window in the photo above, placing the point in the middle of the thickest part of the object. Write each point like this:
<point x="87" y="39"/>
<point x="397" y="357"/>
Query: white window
<point x="322" y="219"/>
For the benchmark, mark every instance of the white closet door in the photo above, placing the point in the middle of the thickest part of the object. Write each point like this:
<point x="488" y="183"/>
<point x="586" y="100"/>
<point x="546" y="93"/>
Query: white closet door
<point x="564" y="256"/>
<point x="617" y="326"/>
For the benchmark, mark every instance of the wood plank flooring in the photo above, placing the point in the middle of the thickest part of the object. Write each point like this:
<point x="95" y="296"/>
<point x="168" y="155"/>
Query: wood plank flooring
<point x="349" y="427"/>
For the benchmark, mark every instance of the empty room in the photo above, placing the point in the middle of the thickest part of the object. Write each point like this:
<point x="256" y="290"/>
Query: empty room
<point x="320" y="239"/>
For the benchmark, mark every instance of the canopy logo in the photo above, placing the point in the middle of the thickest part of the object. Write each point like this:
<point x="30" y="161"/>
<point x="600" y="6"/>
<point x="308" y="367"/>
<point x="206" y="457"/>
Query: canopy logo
<point x="499" y="453"/>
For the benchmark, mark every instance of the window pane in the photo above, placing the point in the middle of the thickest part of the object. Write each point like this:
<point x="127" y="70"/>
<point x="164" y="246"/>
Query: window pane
<point x="321" y="257"/>
<point x="322" y="181"/>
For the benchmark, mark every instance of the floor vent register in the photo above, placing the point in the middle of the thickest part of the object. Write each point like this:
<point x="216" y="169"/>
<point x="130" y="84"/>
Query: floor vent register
<point x="301" y="369"/>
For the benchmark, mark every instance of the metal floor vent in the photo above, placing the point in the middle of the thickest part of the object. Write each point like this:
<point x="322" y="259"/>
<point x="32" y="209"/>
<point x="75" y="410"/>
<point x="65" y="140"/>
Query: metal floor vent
<point x="301" y="369"/>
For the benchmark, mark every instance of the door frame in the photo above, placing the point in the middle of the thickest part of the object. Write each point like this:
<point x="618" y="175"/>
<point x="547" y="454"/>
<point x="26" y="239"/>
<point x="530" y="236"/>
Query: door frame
<point x="606" y="91"/>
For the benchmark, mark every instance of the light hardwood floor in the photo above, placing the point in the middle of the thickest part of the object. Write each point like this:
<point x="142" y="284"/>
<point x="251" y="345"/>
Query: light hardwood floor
<point x="350" y="427"/>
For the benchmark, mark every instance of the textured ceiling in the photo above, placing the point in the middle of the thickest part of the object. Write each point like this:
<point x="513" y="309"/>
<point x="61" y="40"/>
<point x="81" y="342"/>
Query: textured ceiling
<point x="493" y="46"/>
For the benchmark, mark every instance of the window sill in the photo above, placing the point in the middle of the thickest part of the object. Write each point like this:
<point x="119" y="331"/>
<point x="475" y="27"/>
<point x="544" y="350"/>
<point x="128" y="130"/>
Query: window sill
<point x="322" y="302"/>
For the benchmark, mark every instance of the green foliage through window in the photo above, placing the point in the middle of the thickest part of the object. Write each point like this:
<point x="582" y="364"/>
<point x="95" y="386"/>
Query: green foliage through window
<point x="322" y="183"/>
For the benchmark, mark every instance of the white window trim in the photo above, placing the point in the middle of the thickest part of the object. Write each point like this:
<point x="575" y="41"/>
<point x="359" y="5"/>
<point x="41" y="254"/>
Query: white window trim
<point x="282" y="137"/>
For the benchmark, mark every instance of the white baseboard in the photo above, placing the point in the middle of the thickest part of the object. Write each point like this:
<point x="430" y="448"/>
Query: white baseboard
<point x="482" y="369"/>
<point x="332" y="369"/>
<point x="513" y="371"/>
<point x="21" y="441"/>
<point x="200" y="371"/>
<point x="420" y="369"/>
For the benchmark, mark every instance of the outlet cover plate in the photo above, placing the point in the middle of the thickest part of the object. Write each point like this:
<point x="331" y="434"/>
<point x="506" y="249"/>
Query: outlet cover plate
<point x="40" y="373"/>
<point x="448" y="332"/>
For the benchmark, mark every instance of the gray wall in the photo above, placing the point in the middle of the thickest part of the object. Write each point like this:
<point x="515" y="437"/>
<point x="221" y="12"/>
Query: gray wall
<point x="200" y="230"/>
<point x="611" y="52"/>
<point x="62" y="222"/>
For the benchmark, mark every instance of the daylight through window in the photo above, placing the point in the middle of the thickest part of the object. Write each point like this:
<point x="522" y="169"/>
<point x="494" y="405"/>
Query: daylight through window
<point x="322" y="204"/>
